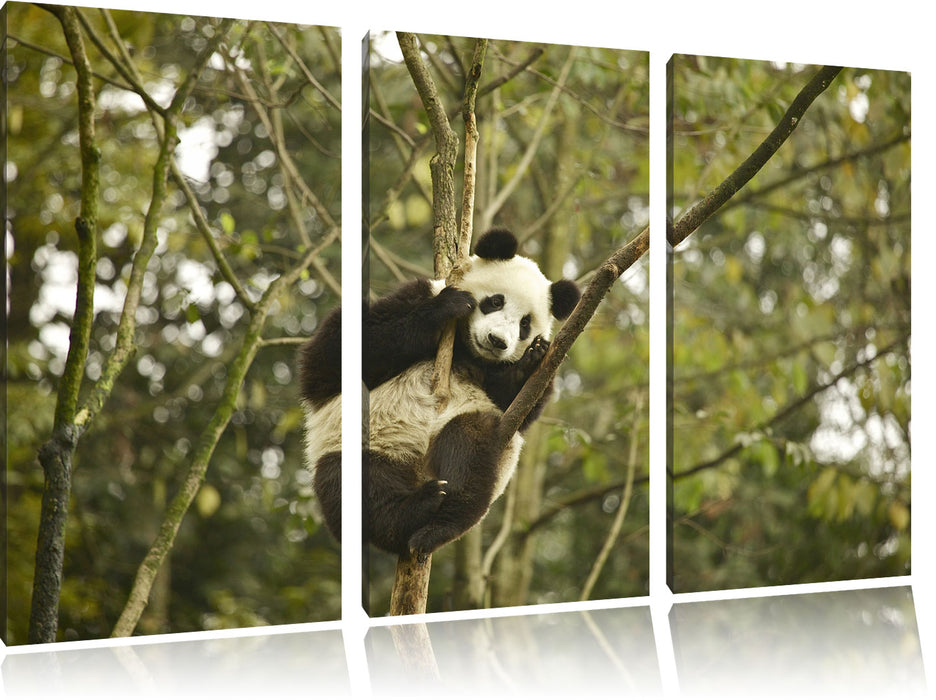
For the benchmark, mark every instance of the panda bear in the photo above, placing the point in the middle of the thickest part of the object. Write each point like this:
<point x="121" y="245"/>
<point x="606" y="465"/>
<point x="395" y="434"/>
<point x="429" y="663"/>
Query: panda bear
<point x="430" y="474"/>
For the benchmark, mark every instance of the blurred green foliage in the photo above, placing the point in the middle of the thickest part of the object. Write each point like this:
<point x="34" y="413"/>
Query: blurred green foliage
<point x="790" y="334"/>
<point x="247" y="553"/>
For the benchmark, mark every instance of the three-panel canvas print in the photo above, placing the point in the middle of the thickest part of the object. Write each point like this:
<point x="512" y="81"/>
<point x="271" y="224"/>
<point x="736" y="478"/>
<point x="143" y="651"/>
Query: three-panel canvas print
<point x="179" y="336"/>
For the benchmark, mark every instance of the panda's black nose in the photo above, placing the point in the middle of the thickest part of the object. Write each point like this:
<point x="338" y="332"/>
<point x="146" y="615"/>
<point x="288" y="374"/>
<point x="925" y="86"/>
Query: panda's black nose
<point x="496" y="341"/>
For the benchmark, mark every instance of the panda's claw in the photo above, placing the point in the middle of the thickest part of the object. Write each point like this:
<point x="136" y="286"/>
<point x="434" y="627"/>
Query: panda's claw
<point x="431" y="494"/>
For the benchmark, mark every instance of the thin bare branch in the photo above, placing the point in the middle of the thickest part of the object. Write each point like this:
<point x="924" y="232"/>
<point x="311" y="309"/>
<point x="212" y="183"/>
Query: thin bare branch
<point x="628" y="489"/>
<point x="312" y="80"/>
<point x="521" y="170"/>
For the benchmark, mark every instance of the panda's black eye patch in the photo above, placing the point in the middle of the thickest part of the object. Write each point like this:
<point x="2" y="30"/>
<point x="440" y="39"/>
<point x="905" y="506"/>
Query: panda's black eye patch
<point x="495" y="302"/>
<point x="525" y="324"/>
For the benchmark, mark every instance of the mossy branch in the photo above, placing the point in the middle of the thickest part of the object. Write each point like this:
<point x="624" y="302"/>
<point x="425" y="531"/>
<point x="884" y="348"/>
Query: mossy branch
<point x="55" y="456"/>
<point x="195" y="477"/>
<point x="126" y="328"/>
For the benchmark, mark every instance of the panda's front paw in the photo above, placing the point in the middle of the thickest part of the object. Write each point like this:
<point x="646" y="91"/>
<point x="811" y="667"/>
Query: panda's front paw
<point x="535" y="353"/>
<point x="452" y="302"/>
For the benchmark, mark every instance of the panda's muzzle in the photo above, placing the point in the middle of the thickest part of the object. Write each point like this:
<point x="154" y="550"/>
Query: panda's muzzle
<point x="496" y="341"/>
<point x="490" y="346"/>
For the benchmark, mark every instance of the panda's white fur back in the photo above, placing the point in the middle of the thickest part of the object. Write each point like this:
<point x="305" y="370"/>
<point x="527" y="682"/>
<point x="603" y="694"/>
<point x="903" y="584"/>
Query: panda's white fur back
<point x="404" y="435"/>
<point x="322" y="430"/>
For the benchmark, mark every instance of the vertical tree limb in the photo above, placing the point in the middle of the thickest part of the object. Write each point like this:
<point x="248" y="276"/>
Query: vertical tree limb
<point x="443" y="365"/>
<point x="411" y="583"/>
<point x="442" y="164"/>
<point x="471" y="146"/>
<point x="55" y="456"/>
<point x="618" y="521"/>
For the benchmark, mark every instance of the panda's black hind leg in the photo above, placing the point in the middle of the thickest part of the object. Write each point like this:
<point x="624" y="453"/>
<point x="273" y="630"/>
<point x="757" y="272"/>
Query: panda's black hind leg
<point x="327" y="487"/>
<point x="462" y="454"/>
<point x="397" y="504"/>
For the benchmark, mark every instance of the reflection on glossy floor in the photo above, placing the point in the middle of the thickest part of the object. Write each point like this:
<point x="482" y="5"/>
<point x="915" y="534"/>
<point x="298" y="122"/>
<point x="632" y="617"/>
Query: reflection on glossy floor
<point x="847" y="643"/>
<point x="838" y="643"/>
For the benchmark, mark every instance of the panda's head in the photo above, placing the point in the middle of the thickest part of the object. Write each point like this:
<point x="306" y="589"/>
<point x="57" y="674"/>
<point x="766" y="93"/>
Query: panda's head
<point x="516" y="303"/>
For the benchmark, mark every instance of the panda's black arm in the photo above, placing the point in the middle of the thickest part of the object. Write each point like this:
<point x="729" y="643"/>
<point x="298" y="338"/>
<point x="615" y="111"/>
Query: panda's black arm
<point x="404" y="327"/>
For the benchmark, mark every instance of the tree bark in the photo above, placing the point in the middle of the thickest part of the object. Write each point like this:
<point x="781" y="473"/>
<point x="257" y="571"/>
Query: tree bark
<point x="442" y="164"/>
<point x="56" y="456"/>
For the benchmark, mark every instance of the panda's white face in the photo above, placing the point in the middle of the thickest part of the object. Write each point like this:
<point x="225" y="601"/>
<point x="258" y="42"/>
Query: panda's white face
<point x="513" y="307"/>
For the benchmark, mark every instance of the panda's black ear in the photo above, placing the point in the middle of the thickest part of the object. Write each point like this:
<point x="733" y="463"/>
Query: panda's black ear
<point x="563" y="295"/>
<point x="496" y="244"/>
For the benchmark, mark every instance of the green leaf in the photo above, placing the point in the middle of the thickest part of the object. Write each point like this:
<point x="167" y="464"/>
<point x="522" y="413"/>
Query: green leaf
<point x="767" y="455"/>
<point x="192" y="314"/>
<point x="800" y="378"/>
<point x="595" y="466"/>
<point x="207" y="501"/>
<point x="227" y="223"/>
<point x="818" y="492"/>
<point x="899" y="515"/>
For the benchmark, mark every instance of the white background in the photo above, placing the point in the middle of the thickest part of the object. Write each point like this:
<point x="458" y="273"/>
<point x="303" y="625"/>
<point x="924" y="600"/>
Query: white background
<point x="779" y="641"/>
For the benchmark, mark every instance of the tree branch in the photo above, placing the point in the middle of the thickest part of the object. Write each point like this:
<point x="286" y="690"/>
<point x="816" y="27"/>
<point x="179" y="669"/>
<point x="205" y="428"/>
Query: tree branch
<point x="793" y="406"/>
<point x="618" y="522"/>
<point x="442" y="164"/>
<point x="696" y="216"/>
<point x="411" y="584"/>
<point x="146" y="573"/>
<point x="125" y="346"/>
<point x="491" y="210"/>
<point x="443" y="364"/>
<point x="70" y="422"/>
<point x="310" y="78"/>
<point x="85" y="224"/>
<point x="800" y="173"/>
<point x="292" y="178"/>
